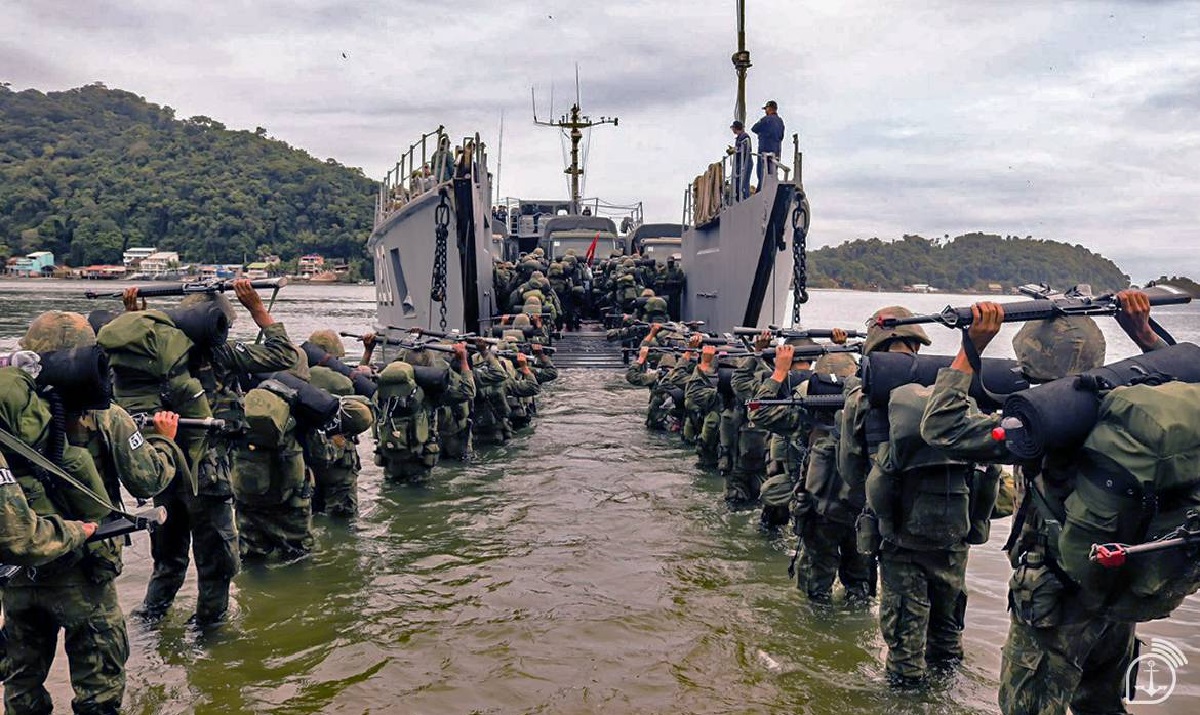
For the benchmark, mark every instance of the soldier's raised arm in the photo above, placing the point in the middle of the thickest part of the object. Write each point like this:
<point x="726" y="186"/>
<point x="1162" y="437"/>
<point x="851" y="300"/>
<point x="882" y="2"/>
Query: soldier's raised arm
<point x="276" y="351"/>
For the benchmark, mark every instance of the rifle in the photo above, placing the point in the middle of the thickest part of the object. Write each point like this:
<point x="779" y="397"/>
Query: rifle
<point x="147" y="520"/>
<point x="146" y="419"/>
<point x="791" y="334"/>
<point x="1112" y="556"/>
<point x="174" y="289"/>
<point x="510" y="316"/>
<point x="1049" y="305"/>
<point x="823" y="403"/>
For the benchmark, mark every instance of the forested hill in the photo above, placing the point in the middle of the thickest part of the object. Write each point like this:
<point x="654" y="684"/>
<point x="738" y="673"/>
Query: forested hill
<point x="967" y="263"/>
<point x="87" y="172"/>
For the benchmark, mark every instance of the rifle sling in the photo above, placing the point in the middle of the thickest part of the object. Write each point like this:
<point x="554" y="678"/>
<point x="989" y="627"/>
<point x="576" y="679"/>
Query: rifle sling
<point x="9" y="440"/>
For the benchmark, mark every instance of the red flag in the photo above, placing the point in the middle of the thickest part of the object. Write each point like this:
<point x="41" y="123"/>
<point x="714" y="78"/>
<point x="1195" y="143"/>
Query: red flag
<point x="591" y="252"/>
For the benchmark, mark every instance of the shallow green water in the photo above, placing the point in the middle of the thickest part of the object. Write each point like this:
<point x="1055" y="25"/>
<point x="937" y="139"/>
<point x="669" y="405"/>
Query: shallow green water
<point x="588" y="566"/>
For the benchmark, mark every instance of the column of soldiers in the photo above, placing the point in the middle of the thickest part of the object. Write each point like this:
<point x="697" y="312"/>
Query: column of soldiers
<point x="573" y="290"/>
<point x="890" y="509"/>
<point x="268" y="435"/>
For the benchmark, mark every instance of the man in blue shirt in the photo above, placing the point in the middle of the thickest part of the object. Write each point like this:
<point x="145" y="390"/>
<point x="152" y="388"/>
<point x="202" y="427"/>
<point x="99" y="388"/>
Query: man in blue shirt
<point x="770" y="135"/>
<point x="741" y="161"/>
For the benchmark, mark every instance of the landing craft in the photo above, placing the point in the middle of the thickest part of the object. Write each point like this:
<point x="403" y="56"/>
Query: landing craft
<point x="437" y="233"/>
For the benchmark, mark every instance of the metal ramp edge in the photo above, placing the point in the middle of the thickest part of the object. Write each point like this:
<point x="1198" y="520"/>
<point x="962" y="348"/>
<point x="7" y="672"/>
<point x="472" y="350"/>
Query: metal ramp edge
<point x="587" y="350"/>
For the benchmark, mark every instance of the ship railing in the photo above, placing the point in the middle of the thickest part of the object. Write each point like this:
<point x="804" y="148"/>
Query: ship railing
<point x="420" y="169"/>
<point x="725" y="183"/>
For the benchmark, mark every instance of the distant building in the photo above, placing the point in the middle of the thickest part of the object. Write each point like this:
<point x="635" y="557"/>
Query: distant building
<point x="160" y="263"/>
<point x="258" y="270"/>
<point x="38" y="263"/>
<point x="309" y="266"/>
<point x="103" y="273"/>
<point x="133" y="257"/>
<point x="216" y="271"/>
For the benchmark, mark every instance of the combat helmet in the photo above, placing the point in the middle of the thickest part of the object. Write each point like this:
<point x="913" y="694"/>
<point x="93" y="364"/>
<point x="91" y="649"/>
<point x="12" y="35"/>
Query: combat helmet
<point x="328" y="341"/>
<point x="58" y="330"/>
<point x="878" y="337"/>
<point x="512" y="336"/>
<point x="840" y="364"/>
<point x="647" y="292"/>
<point x="1061" y="346"/>
<point x="556" y="270"/>
<point x="218" y="298"/>
<point x="656" y="310"/>
<point x="536" y="276"/>
<point x="534" y="296"/>
<point x="300" y="367"/>
<point x="521" y="321"/>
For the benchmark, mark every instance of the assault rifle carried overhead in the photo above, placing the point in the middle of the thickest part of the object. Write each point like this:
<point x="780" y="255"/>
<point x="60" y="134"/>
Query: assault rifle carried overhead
<point x="814" y="403"/>
<point x="1046" y="304"/>
<point x="146" y="419"/>
<point x="792" y="334"/>
<point x="175" y="289"/>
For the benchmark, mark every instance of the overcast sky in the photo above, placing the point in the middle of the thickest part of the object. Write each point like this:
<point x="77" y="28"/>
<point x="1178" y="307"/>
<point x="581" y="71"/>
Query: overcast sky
<point x="1075" y="121"/>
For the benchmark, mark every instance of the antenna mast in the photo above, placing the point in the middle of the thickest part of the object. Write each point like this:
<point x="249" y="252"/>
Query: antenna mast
<point x="576" y="121"/>
<point x="741" y="63"/>
<point x="499" y="156"/>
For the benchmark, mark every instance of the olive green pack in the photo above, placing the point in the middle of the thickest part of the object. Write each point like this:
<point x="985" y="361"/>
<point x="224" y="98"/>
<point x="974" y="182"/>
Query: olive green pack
<point x="1139" y="474"/>
<point x="269" y="414"/>
<point x="403" y="429"/>
<point x="149" y="359"/>
<point x="921" y="495"/>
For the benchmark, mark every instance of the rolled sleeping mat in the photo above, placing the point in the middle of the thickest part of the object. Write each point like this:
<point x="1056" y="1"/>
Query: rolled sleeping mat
<point x="317" y="355"/>
<point x="99" y="318"/>
<point x="80" y="376"/>
<point x="883" y="372"/>
<point x="205" y="324"/>
<point x="313" y="407"/>
<point x="822" y="383"/>
<point x="433" y="379"/>
<point x="1059" y="415"/>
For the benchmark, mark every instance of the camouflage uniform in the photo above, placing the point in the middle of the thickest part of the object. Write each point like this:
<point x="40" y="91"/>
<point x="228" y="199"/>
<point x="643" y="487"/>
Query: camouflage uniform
<point x="704" y="408"/>
<point x="644" y="375"/>
<point x="204" y="519"/>
<point x="823" y="504"/>
<point x="1057" y="655"/>
<point x="75" y="593"/>
<point x="333" y="459"/>
<point x="496" y="380"/>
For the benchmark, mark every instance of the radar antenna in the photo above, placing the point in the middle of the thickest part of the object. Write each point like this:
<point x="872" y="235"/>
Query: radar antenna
<point x="573" y="124"/>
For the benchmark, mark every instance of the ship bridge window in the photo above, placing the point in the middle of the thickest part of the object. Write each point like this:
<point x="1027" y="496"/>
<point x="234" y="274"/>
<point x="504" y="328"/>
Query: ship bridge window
<point x="401" y="286"/>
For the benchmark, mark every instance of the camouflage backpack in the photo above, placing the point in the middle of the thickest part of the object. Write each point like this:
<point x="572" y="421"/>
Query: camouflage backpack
<point x="402" y="426"/>
<point x="149" y="360"/>
<point x="1139" y="476"/>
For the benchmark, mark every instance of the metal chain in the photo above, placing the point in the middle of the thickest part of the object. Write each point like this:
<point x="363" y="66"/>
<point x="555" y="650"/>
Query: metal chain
<point x="441" y="219"/>
<point x="800" y="220"/>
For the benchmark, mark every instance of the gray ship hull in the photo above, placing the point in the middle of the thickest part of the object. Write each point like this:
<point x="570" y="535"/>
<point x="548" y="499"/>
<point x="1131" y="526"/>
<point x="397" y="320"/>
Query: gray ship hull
<point x="739" y="265"/>
<point x="404" y="244"/>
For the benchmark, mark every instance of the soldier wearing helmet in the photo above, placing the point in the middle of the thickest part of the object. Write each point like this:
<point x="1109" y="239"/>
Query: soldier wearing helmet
<point x="76" y="595"/>
<point x="205" y="519"/>
<point x="1069" y="656"/>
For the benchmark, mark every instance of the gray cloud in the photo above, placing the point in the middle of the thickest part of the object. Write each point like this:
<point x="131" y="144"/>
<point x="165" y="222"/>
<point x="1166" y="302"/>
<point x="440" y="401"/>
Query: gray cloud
<point x="1071" y="120"/>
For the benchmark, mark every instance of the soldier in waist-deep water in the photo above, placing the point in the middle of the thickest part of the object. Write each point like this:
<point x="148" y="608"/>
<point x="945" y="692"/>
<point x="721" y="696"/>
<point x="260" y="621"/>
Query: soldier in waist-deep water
<point x="102" y="448"/>
<point x="204" y="519"/>
<point x="1060" y="652"/>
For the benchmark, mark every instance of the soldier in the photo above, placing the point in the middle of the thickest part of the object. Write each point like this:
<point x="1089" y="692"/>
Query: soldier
<point x="496" y="379"/>
<point x="704" y="402"/>
<point x="654" y="310"/>
<point x="1058" y="652"/>
<point x="272" y="484"/>
<point x="674" y="281"/>
<point x="205" y="518"/>
<point x="334" y="459"/>
<point x="642" y="374"/>
<point x="101" y="447"/>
